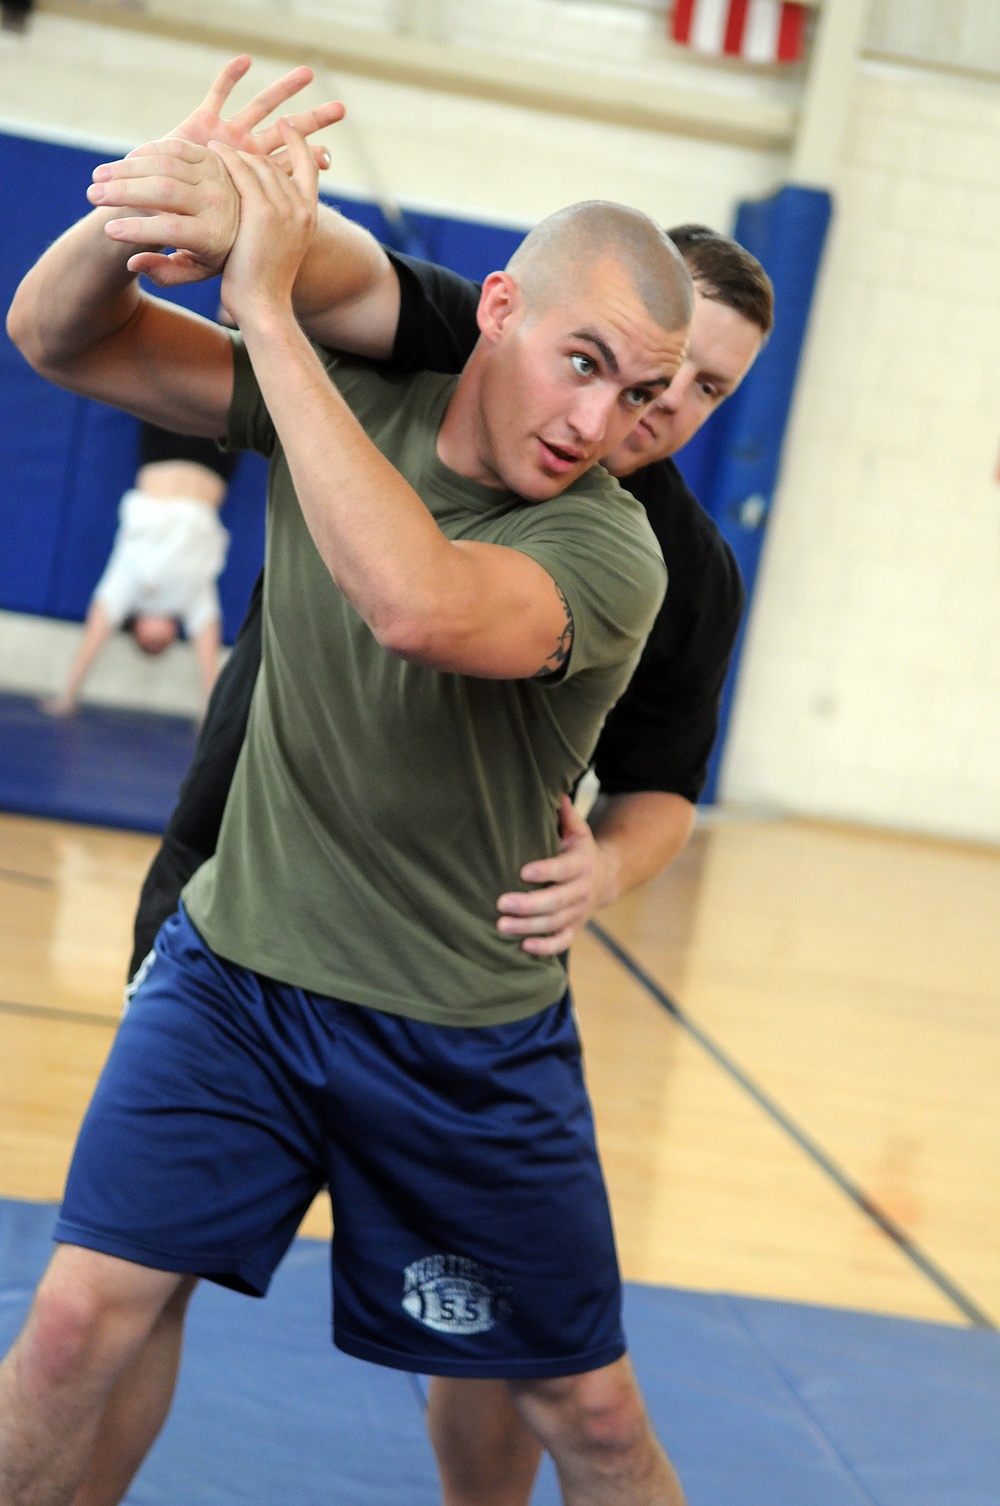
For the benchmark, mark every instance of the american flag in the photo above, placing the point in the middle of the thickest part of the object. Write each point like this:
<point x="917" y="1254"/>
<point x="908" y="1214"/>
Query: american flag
<point x="760" y="31"/>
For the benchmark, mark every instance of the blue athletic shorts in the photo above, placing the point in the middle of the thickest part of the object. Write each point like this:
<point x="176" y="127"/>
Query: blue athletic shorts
<point x="472" y="1228"/>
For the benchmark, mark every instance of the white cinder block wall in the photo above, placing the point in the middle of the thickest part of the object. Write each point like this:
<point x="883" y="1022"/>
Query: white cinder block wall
<point x="870" y="687"/>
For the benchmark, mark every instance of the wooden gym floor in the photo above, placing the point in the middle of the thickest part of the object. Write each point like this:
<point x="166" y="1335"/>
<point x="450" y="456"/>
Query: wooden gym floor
<point x="852" y="975"/>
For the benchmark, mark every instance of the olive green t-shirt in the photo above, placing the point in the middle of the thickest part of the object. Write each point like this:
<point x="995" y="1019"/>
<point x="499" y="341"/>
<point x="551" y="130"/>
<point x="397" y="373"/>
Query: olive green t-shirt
<point x="379" y="808"/>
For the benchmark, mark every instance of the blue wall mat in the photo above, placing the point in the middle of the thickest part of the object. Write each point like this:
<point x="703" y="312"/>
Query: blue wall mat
<point x="65" y="462"/>
<point x="739" y="472"/>
<point x="696" y="462"/>
<point x="473" y="248"/>
<point x="101" y="466"/>
<point x="38" y="419"/>
<point x="759" y="1403"/>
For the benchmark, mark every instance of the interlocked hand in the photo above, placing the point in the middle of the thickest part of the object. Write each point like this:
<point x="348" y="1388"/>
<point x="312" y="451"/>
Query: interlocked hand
<point x="175" y="192"/>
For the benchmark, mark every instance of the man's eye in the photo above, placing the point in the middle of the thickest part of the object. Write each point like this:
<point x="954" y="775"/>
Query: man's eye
<point x="638" y="397"/>
<point x="583" y="365"/>
<point x="710" y="392"/>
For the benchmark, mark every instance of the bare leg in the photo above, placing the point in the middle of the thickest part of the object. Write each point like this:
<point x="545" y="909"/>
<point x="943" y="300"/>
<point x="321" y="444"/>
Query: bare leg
<point x="596" y="1429"/>
<point x="96" y="632"/>
<point x="207" y="644"/>
<point x="91" y="1316"/>
<point x="137" y="1407"/>
<point x="486" y="1454"/>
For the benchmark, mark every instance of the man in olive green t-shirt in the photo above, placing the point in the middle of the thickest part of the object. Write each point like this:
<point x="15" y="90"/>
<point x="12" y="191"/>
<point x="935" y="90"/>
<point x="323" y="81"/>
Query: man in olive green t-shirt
<point x="407" y="794"/>
<point x="455" y="598"/>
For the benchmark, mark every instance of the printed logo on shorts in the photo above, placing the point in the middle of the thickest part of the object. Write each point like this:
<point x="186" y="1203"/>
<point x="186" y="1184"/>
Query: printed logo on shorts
<point x="138" y="980"/>
<point x="453" y="1295"/>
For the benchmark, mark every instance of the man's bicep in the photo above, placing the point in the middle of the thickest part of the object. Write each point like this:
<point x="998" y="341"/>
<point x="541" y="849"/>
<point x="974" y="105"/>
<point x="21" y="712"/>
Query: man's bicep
<point x="515" y="623"/>
<point x="166" y="366"/>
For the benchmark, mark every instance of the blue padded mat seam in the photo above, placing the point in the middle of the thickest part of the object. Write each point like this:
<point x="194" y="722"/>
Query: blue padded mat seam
<point x="733" y="1306"/>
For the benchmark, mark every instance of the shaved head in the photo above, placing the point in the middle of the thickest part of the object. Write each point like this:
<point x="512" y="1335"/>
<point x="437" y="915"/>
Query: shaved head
<point x="579" y="336"/>
<point x="564" y="249"/>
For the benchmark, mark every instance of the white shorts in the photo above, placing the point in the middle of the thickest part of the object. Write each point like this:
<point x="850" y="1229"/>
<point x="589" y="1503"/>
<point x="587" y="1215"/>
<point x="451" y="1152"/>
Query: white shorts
<point x="166" y="559"/>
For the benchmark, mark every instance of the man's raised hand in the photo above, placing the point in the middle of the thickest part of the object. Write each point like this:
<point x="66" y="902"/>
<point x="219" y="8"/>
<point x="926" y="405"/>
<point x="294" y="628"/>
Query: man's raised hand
<point x="240" y="132"/>
<point x="277" y="224"/>
<point x="176" y="197"/>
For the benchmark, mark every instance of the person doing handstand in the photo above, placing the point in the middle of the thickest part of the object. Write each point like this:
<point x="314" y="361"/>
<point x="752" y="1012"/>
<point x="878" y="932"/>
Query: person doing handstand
<point x="168" y="553"/>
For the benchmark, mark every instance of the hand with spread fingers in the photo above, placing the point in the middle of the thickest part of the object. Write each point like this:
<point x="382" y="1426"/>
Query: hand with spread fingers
<point x="573" y="886"/>
<point x="206" y="123"/>
<point x="174" y="192"/>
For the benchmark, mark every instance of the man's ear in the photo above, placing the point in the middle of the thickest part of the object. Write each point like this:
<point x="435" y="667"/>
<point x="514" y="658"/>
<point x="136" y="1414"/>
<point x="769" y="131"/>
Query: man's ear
<point x="500" y="300"/>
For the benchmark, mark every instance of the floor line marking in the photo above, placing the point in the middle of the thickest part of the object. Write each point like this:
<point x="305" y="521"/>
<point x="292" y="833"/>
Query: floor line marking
<point x="69" y="1016"/>
<point x="934" y="1273"/>
<point x="17" y="876"/>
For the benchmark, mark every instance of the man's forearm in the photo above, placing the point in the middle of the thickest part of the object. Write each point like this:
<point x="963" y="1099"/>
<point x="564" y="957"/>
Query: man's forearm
<point x="346" y="294"/>
<point x="630" y="839"/>
<point x="76" y="295"/>
<point x="80" y="319"/>
<point x="639" y="835"/>
<point x="378" y="540"/>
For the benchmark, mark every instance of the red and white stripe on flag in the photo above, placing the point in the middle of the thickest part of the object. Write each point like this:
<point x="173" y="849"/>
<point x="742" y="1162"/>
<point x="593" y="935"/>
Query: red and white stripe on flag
<point x="760" y="31"/>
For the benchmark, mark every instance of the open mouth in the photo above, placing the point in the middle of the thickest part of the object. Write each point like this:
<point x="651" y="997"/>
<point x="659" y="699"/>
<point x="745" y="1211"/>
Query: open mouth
<point x="557" y="457"/>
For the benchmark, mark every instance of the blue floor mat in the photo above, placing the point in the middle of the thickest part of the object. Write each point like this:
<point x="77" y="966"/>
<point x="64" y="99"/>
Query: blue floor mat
<point x="759" y="1403"/>
<point x="102" y="767"/>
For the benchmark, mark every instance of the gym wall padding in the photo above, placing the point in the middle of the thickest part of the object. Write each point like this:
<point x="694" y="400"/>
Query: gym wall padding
<point x="733" y="464"/>
<point x="65" y="461"/>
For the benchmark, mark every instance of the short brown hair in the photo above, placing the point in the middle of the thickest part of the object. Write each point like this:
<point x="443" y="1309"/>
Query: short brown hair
<point x="724" y="271"/>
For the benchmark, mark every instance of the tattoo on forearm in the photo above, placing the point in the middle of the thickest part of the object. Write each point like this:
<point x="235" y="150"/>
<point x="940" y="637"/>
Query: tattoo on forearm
<point x="561" y="652"/>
